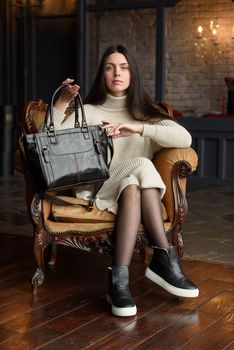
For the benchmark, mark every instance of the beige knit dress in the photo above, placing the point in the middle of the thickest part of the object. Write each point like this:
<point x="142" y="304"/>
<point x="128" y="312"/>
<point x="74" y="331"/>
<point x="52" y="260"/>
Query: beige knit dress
<point x="131" y="163"/>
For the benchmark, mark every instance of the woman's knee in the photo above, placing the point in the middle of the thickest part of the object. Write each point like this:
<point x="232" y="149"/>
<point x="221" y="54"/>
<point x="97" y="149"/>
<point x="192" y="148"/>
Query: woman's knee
<point x="132" y="191"/>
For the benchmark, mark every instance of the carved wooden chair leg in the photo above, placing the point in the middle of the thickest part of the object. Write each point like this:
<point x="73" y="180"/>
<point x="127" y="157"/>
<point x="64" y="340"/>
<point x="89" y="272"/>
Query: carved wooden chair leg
<point x="40" y="245"/>
<point x="52" y="254"/>
<point x="177" y="240"/>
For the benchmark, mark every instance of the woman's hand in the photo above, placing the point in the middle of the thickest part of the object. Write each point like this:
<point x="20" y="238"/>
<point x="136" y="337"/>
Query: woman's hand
<point x="67" y="94"/>
<point x="117" y="130"/>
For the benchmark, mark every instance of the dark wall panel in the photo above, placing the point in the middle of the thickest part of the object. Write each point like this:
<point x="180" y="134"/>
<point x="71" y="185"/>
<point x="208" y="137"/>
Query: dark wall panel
<point x="211" y="157"/>
<point x="213" y="140"/>
<point x="1" y="62"/>
<point x="229" y="159"/>
<point x="55" y="53"/>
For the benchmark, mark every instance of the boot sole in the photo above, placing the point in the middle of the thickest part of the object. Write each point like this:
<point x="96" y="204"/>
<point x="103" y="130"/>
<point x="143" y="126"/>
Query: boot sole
<point x="186" y="293"/>
<point x="121" y="311"/>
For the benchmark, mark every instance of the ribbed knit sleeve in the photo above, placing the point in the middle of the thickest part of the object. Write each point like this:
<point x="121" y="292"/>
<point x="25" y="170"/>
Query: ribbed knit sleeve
<point x="168" y="133"/>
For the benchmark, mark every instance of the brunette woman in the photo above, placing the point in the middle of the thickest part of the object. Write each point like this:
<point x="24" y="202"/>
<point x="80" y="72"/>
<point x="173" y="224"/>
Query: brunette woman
<point x="133" y="192"/>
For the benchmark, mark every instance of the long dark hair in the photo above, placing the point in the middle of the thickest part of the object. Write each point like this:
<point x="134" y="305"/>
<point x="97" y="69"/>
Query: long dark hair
<point x="139" y="104"/>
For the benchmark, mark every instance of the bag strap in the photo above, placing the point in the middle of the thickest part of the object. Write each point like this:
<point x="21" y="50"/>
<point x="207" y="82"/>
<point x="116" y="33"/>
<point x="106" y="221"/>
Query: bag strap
<point x="78" y="100"/>
<point x="48" y="124"/>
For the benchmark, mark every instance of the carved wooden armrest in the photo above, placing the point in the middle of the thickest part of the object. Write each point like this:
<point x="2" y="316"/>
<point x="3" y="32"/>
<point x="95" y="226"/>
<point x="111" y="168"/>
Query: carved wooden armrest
<point x="174" y="164"/>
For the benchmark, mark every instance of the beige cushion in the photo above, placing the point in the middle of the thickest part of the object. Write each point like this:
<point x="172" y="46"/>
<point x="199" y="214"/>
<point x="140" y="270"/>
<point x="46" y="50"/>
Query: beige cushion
<point x="78" y="213"/>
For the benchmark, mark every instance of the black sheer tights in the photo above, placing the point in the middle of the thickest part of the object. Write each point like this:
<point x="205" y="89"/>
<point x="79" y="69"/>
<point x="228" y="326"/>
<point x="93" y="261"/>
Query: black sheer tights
<point x="127" y="225"/>
<point x="136" y="205"/>
<point x="151" y="211"/>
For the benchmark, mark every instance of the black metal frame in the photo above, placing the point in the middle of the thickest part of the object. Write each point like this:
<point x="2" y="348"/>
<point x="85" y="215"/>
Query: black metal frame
<point x="160" y="5"/>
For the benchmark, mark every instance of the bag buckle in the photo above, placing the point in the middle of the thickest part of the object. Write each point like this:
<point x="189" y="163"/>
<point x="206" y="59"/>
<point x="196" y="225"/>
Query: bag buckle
<point x="46" y="154"/>
<point x="91" y="205"/>
<point x="51" y="134"/>
<point x="97" y="145"/>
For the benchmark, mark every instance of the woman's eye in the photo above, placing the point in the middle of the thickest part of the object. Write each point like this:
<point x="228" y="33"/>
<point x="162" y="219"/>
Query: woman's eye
<point x="125" y="67"/>
<point x="107" y="68"/>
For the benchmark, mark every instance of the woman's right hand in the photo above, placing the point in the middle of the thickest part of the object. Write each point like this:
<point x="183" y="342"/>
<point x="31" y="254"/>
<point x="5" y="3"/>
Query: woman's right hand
<point x="67" y="94"/>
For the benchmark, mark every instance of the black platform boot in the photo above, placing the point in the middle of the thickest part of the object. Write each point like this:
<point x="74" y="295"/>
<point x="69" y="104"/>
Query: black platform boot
<point x="119" y="297"/>
<point x="165" y="270"/>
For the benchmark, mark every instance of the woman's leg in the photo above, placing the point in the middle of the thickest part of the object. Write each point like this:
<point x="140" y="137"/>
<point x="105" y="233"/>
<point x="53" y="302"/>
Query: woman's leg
<point x="151" y="211"/>
<point x="127" y="225"/>
<point x="165" y="268"/>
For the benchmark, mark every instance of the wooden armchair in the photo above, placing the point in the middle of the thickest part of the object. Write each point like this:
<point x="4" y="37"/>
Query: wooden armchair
<point x="74" y="226"/>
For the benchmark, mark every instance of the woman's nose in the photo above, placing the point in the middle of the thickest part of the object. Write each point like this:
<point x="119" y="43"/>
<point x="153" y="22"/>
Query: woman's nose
<point x="117" y="72"/>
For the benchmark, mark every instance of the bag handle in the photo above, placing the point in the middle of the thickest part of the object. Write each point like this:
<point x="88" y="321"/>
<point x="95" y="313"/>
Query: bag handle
<point x="50" y="114"/>
<point x="79" y="100"/>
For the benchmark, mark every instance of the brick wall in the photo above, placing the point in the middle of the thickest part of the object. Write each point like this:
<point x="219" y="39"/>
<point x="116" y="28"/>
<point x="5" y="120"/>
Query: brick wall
<point x="194" y="74"/>
<point x="195" y="84"/>
<point x="133" y="29"/>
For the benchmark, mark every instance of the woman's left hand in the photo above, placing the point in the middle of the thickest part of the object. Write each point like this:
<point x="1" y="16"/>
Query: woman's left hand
<point x="117" y="130"/>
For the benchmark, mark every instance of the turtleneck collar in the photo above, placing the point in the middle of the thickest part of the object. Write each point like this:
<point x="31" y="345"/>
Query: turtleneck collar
<point x="115" y="103"/>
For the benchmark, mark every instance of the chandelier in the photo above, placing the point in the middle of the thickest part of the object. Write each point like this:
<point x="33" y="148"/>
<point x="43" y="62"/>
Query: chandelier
<point x="213" y="40"/>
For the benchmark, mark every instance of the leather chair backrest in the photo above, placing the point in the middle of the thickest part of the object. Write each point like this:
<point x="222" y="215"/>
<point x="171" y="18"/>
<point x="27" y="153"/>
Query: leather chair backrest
<point x="34" y="114"/>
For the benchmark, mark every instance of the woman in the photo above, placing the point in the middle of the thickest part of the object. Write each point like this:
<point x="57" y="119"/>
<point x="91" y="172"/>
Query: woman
<point x="134" y="190"/>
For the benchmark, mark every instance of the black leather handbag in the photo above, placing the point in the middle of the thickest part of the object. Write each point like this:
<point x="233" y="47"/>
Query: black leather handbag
<point x="61" y="159"/>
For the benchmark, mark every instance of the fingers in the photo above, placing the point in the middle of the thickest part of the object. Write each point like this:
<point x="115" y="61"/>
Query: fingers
<point x="117" y="136"/>
<point x="109" y="125"/>
<point x="121" y="129"/>
<point x="112" y="128"/>
<point x="73" y="88"/>
<point x="69" y="92"/>
<point x="68" y="81"/>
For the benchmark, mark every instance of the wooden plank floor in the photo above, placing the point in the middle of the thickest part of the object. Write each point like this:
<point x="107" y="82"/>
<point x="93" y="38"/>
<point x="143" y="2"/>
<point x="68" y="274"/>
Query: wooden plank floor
<point x="70" y="310"/>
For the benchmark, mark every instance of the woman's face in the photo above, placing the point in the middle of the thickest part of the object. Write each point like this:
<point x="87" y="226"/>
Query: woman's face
<point x="117" y="74"/>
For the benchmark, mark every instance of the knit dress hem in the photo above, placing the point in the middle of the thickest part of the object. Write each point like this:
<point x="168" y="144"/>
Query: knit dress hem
<point x="137" y="171"/>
